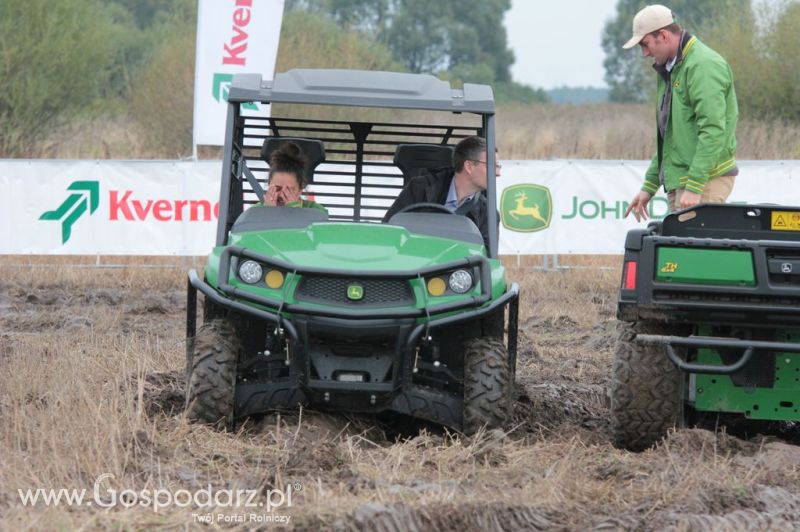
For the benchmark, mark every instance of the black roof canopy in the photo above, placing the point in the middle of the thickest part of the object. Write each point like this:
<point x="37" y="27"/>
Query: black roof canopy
<point x="363" y="88"/>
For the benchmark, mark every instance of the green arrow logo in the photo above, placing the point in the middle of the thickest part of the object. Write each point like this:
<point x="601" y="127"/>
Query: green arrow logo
<point x="219" y="89"/>
<point x="74" y="206"/>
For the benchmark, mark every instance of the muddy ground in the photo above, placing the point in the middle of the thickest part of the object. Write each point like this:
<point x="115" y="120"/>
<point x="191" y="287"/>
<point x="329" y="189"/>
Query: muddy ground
<point x="91" y="363"/>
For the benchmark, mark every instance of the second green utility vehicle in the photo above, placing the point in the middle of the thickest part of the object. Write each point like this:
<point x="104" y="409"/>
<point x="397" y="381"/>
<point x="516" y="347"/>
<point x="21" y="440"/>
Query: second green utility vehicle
<point x="710" y="321"/>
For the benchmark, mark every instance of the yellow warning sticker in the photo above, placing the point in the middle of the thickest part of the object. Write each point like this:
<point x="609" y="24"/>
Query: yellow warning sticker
<point x="785" y="221"/>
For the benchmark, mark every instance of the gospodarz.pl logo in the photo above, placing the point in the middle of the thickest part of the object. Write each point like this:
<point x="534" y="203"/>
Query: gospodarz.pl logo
<point x="209" y="504"/>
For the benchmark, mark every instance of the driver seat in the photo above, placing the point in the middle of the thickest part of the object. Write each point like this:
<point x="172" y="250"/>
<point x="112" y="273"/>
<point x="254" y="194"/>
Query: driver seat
<point x="413" y="159"/>
<point x="312" y="149"/>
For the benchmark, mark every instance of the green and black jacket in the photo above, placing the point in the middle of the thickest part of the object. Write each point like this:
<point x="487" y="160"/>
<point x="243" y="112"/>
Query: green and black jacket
<point x="699" y="141"/>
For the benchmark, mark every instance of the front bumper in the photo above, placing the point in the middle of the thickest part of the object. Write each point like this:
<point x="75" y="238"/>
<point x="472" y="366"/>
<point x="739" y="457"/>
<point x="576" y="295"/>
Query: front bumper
<point x="234" y="298"/>
<point x="196" y="284"/>
<point x="301" y="323"/>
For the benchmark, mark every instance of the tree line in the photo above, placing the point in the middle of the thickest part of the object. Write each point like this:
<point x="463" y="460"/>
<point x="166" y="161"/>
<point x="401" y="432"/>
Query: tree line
<point x="73" y="60"/>
<point x="759" y="39"/>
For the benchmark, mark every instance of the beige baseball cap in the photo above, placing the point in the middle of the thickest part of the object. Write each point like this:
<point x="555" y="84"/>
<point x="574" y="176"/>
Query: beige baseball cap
<point x="648" y="20"/>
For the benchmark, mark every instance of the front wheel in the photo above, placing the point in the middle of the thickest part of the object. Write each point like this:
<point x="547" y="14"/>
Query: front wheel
<point x="647" y="389"/>
<point x="211" y="374"/>
<point x="487" y="384"/>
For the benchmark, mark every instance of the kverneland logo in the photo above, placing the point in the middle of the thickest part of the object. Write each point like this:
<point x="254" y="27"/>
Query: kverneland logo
<point x="220" y="84"/>
<point x="234" y="52"/>
<point x="236" y="48"/>
<point x="86" y="195"/>
<point x="122" y="207"/>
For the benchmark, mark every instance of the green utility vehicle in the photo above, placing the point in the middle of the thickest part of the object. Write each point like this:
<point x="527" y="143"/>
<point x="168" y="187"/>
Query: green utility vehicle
<point x="341" y="311"/>
<point x="710" y="305"/>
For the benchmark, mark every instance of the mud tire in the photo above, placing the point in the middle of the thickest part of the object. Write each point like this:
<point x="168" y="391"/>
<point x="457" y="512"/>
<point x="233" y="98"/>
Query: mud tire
<point x="211" y="374"/>
<point x="646" y="390"/>
<point x="487" y="384"/>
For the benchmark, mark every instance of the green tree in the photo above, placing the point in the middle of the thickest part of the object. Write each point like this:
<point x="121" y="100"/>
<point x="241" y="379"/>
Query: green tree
<point x="782" y="52"/>
<point x="54" y="59"/>
<point x="630" y="77"/>
<point x="764" y="58"/>
<point x="462" y="39"/>
<point x="405" y="35"/>
<point x="140" y="28"/>
<point x="368" y="16"/>
<point x="161" y="94"/>
<point x="143" y="13"/>
<point x="309" y="40"/>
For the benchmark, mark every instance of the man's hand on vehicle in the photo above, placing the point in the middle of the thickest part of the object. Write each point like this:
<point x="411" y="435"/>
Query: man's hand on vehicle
<point x="689" y="199"/>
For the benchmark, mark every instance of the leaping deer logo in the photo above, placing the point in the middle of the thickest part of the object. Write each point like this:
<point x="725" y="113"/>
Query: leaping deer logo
<point x="522" y="210"/>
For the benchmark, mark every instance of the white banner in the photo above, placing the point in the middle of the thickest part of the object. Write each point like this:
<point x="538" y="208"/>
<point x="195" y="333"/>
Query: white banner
<point x="581" y="203"/>
<point x="233" y="37"/>
<point x="170" y="208"/>
<point x="109" y="207"/>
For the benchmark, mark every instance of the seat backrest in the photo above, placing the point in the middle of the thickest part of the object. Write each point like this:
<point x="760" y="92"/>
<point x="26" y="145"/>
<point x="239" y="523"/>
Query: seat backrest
<point x="411" y="159"/>
<point x="313" y="150"/>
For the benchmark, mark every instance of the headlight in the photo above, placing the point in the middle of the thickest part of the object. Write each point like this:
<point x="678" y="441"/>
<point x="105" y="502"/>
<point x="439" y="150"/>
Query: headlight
<point x="250" y="271"/>
<point x="460" y="281"/>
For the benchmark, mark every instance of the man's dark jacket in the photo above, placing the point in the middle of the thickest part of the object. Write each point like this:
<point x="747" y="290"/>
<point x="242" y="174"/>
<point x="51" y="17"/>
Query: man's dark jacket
<point x="432" y="187"/>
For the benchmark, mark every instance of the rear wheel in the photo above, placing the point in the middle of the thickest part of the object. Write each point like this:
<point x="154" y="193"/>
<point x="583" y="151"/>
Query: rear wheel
<point x="211" y="374"/>
<point x="647" y="389"/>
<point x="487" y="384"/>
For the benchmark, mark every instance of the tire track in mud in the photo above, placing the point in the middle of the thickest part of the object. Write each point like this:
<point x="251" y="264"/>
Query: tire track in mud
<point x="767" y="508"/>
<point x="55" y="308"/>
<point x="464" y="517"/>
<point x="561" y="393"/>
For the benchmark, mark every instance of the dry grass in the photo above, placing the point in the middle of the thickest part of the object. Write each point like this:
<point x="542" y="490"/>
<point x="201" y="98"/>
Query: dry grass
<point x="91" y="363"/>
<point x="524" y="132"/>
<point x="611" y="131"/>
<point x="570" y="132"/>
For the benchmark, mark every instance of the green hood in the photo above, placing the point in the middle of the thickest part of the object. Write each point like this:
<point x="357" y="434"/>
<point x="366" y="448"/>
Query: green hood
<point x="355" y="246"/>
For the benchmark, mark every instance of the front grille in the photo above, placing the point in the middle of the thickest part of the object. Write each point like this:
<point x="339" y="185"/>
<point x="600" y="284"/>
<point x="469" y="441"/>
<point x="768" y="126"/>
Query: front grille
<point x="333" y="291"/>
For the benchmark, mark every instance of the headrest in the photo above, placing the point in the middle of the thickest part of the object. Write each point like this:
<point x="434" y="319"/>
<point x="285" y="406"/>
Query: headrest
<point x="411" y="158"/>
<point x="313" y="150"/>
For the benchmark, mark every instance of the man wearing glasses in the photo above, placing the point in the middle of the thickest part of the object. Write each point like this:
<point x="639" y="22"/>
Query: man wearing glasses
<point x="459" y="188"/>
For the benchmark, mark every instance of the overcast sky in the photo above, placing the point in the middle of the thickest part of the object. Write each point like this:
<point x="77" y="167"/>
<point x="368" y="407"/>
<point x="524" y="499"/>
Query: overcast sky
<point x="557" y="42"/>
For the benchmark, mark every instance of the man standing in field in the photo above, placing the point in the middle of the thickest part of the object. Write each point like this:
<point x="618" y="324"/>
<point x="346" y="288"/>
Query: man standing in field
<point x="695" y="160"/>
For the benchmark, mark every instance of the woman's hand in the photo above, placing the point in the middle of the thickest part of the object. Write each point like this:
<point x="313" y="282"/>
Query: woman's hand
<point x="278" y="196"/>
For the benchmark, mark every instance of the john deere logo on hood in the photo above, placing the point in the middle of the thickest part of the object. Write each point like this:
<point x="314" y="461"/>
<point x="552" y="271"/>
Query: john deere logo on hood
<point x="355" y="292"/>
<point x="526" y="208"/>
<point x="86" y="196"/>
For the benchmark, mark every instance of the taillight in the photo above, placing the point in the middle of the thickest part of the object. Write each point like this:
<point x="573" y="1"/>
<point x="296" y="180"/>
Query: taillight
<point x="629" y="277"/>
